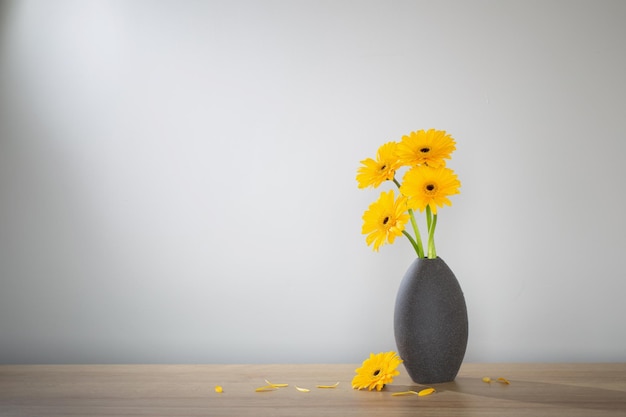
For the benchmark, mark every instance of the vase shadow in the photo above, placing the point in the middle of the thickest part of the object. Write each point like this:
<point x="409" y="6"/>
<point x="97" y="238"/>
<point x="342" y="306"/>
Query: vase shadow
<point x="558" y="395"/>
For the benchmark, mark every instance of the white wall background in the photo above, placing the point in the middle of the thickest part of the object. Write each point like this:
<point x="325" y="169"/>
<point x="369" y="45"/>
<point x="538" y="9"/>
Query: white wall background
<point x="177" y="178"/>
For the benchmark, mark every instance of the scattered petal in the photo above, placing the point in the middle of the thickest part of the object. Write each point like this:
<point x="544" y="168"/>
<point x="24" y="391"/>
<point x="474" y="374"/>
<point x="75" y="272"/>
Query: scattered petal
<point x="219" y="389"/>
<point x="266" y="388"/>
<point x="426" y="391"/>
<point x="302" y="389"/>
<point x="487" y="379"/>
<point x="276" y="385"/>
<point x="328" y="386"/>
<point x="401" y="393"/>
<point x="503" y="381"/>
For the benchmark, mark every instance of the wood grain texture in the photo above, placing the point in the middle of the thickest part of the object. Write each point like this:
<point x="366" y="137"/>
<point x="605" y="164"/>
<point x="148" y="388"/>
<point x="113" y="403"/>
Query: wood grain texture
<point x="188" y="390"/>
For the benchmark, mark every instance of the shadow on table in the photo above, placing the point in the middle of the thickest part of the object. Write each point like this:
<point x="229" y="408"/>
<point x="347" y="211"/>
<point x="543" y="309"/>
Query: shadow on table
<point x="560" y="395"/>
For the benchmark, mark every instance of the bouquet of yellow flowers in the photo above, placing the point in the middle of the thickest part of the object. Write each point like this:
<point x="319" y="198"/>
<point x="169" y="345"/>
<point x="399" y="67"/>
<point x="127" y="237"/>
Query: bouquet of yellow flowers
<point x="425" y="186"/>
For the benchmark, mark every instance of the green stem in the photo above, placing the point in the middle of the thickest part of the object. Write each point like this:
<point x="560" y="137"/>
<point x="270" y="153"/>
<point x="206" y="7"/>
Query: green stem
<point x="419" y="247"/>
<point x="413" y="242"/>
<point x="417" y="242"/>
<point x="432" y="252"/>
<point x="429" y="217"/>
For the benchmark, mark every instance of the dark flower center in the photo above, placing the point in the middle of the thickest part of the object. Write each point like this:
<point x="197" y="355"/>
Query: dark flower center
<point x="376" y="372"/>
<point x="430" y="187"/>
<point x="382" y="168"/>
<point x="385" y="220"/>
<point x="425" y="150"/>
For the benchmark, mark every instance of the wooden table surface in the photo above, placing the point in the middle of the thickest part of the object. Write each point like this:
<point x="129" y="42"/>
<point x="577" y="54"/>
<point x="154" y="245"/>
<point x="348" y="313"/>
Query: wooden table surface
<point x="564" y="390"/>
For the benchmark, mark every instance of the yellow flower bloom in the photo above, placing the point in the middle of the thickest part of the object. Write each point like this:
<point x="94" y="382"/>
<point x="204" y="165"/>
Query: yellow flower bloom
<point x="385" y="219"/>
<point x="426" y="148"/>
<point x="428" y="186"/>
<point x="376" y="371"/>
<point x="374" y="172"/>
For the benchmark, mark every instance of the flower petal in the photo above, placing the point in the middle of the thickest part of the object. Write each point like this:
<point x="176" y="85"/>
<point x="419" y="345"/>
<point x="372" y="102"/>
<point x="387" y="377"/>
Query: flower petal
<point x="487" y="379"/>
<point x="219" y="389"/>
<point x="503" y="381"/>
<point x="426" y="391"/>
<point x="276" y="385"/>
<point x="401" y="393"/>
<point x="266" y="388"/>
<point x="328" y="386"/>
<point x="302" y="389"/>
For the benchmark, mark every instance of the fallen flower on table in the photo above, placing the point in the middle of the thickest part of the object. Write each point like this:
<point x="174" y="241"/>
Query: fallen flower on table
<point x="328" y="386"/>
<point x="376" y="371"/>
<point x="426" y="391"/>
<point x="302" y="389"/>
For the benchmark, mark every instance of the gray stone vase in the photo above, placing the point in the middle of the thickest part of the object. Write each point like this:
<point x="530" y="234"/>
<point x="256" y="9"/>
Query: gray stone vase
<point x="430" y="322"/>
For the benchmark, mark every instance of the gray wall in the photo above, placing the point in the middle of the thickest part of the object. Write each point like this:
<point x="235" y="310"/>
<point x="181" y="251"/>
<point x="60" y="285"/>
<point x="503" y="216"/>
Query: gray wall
<point x="177" y="178"/>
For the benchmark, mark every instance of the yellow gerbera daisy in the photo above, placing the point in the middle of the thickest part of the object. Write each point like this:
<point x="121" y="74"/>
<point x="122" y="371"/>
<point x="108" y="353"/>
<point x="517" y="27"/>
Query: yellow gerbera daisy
<point x="374" y="172"/>
<point x="426" y="147"/>
<point x="385" y="219"/>
<point x="428" y="186"/>
<point x="376" y="371"/>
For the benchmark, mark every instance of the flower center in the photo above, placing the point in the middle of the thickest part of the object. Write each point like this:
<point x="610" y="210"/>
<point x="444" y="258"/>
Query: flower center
<point x="385" y="220"/>
<point x="425" y="149"/>
<point x="430" y="188"/>
<point x="376" y="372"/>
<point x="384" y="167"/>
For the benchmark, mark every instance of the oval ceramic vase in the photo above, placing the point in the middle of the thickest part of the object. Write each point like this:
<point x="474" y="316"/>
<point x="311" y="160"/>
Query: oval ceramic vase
<point x="430" y="322"/>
